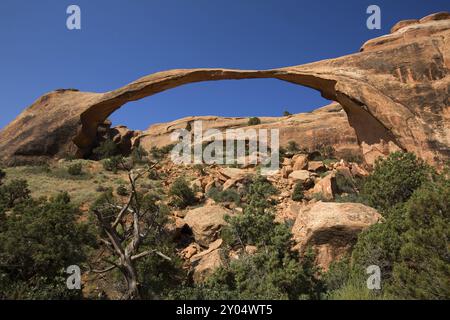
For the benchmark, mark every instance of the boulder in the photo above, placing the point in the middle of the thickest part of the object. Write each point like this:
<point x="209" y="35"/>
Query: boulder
<point x="300" y="162"/>
<point x="123" y="138"/>
<point x="232" y="173"/>
<point x="190" y="251"/>
<point x="210" y="185"/>
<point x="357" y="171"/>
<point x="197" y="183"/>
<point x="290" y="212"/>
<point x="287" y="162"/>
<point x="326" y="187"/>
<point x="300" y="175"/>
<point x="206" y="262"/>
<point x="286" y="171"/>
<point x="331" y="228"/>
<point x="316" y="166"/>
<point x="206" y="222"/>
<point x="229" y="183"/>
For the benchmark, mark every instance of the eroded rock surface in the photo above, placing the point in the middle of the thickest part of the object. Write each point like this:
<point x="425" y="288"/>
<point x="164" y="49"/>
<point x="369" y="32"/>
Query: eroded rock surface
<point x="206" y="222"/>
<point x="331" y="228"/>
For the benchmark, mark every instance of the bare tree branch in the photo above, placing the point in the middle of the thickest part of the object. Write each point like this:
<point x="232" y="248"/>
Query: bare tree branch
<point x="148" y="252"/>
<point x="124" y="244"/>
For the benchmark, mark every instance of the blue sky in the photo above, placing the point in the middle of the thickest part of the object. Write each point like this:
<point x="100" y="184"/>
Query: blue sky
<point x="121" y="41"/>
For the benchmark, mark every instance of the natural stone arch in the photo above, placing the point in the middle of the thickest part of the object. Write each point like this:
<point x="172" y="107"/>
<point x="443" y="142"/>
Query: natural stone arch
<point x="371" y="132"/>
<point x="395" y="92"/>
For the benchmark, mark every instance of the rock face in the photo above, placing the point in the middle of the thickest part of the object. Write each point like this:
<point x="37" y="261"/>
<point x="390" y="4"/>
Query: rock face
<point x="205" y="223"/>
<point x="395" y="93"/>
<point x="325" y="126"/>
<point x="331" y="228"/>
<point x="206" y="262"/>
<point x="326" y="187"/>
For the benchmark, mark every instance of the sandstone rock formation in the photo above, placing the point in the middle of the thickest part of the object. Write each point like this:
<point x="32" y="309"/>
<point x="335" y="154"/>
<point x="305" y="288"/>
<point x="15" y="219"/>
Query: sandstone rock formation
<point x="323" y="127"/>
<point x="205" y="223"/>
<point x="395" y="93"/>
<point x="331" y="228"/>
<point x="326" y="187"/>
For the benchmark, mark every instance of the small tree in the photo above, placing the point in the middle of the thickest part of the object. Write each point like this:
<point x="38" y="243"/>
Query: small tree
<point x="122" y="191"/>
<point x="287" y="113"/>
<point x="139" y="154"/>
<point x="292" y="147"/>
<point x="394" y="180"/>
<point x="182" y="194"/>
<point x="106" y="149"/>
<point x="423" y="270"/>
<point x="127" y="228"/>
<point x="14" y="192"/>
<point x="253" y="121"/>
<point x="115" y="164"/>
<point x="297" y="194"/>
<point x="75" y="169"/>
<point x="39" y="239"/>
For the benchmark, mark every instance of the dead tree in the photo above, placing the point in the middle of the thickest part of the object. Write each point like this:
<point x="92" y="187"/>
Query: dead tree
<point x="125" y="227"/>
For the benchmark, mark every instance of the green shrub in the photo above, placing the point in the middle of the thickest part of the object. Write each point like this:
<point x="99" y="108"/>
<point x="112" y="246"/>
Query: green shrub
<point x="327" y="152"/>
<point x="182" y="195"/>
<point x="228" y="195"/>
<point x="351" y="156"/>
<point x="106" y="149"/>
<point x="139" y="154"/>
<point x="113" y="164"/>
<point x="297" y="194"/>
<point x="292" y="147"/>
<point x="255" y="226"/>
<point x="345" y="184"/>
<point x="122" y="191"/>
<point x="286" y="113"/>
<point x="423" y="268"/>
<point x="75" y="169"/>
<point x="14" y="192"/>
<point x="394" y="180"/>
<point x="338" y="274"/>
<point x="410" y="246"/>
<point x="254" y="121"/>
<point x="38" y="241"/>
<point x="159" y="153"/>
<point x="153" y="175"/>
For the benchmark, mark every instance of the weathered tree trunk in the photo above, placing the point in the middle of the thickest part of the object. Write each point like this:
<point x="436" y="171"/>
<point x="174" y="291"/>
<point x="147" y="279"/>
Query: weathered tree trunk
<point x="126" y="249"/>
<point x="131" y="278"/>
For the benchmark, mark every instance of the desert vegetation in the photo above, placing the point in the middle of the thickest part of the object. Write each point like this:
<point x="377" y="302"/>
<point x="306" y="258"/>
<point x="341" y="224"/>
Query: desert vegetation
<point x="149" y="230"/>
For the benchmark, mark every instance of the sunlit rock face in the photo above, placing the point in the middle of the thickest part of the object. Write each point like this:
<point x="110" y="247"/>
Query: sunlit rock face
<point x="395" y="93"/>
<point x="326" y="126"/>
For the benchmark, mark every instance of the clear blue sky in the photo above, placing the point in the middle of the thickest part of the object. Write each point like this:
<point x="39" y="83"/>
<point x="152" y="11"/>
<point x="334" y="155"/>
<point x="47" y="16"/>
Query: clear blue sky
<point x="121" y="41"/>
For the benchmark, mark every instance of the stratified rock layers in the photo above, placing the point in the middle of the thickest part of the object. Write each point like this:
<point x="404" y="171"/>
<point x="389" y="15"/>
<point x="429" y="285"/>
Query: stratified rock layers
<point x="395" y="93"/>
